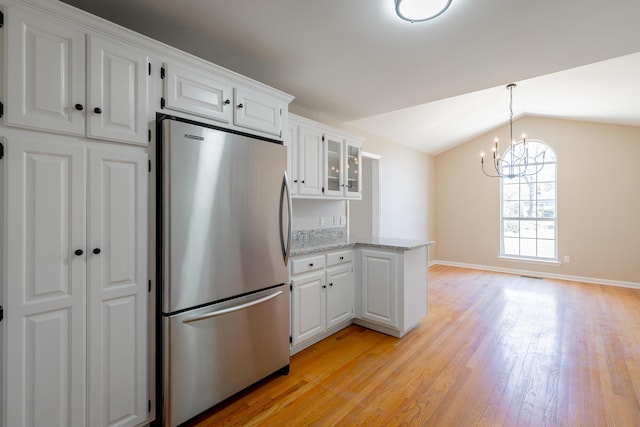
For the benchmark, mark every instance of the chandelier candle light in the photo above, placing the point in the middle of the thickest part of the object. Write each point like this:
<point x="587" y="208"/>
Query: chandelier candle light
<point x="517" y="163"/>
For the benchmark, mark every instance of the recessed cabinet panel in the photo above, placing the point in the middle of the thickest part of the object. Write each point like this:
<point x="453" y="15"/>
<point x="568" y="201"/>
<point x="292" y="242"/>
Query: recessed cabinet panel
<point x="46" y="73"/>
<point x="196" y="93"/>
<point x="339" y="294"/>
<point x="48" y="371"/>
<point x="379" y="285"/>
<point x="309" y="161"/>
<point x="118" y="92"/>
<point x="253" y="110"/>
<point x="309" y="312"/>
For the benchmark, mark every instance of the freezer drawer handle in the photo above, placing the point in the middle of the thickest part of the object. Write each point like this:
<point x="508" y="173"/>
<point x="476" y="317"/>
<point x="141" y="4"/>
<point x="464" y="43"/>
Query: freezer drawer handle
<point x="232" y="309"/>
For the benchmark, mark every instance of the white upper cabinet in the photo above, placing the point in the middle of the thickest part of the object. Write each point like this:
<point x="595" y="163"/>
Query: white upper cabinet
<point x="45" y="74"/>
<point x="46" y="81"/>
<point x="117" y="105"/>
<point x="324" y="162"/>
<point x="309" y="171"/>
<point x="211" y="96"/>
<point x="191" y="91"/>
<point x="257" y="111"/>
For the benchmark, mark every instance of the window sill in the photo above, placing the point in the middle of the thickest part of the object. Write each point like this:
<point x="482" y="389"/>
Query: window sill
<point x="529" y="260"/>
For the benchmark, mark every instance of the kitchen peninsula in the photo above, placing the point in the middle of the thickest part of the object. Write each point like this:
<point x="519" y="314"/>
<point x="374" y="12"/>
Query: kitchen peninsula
<point x="376" y="282"/>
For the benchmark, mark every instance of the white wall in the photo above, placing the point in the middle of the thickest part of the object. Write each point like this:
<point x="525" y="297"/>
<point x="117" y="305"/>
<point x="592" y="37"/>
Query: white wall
<point x="307" y="213"/>
<point x="598" y="200"/>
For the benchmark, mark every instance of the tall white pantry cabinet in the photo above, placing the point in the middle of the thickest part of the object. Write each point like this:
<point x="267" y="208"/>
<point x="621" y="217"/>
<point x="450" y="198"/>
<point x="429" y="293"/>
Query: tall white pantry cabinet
<point x="77" y="178"/>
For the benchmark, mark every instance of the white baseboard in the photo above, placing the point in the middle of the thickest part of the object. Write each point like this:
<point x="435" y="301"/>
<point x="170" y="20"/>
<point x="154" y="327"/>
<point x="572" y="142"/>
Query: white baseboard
<point x="632" y="285"/>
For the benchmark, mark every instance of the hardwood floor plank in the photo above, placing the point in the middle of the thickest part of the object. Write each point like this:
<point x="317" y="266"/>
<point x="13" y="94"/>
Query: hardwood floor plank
<point x="495" y="350"/>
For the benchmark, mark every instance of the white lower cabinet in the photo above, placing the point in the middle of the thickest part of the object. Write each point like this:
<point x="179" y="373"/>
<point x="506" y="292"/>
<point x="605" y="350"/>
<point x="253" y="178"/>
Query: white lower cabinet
<point x="75" y="299"/>
<point x="322" y="296"/>
<point x="393" y="290"/>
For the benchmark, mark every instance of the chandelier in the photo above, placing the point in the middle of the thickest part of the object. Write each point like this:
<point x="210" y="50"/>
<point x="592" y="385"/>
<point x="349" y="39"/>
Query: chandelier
<point x="420" y="10"/>
<point x="517" y="162"/>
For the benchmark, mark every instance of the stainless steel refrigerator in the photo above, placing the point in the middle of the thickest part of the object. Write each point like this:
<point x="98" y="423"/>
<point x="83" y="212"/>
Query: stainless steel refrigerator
<point x="225" y="215"/>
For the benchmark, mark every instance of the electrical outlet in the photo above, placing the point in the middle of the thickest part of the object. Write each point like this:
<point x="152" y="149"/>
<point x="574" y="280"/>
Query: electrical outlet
<point x="321" y="221"/>
<point x="335" y="220"/>
<point x="567" y="258"/>
<point x="343" y="220"/>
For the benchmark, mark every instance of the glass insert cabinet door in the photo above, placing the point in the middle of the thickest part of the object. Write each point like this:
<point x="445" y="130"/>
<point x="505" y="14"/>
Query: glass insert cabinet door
<point x="334" y="166"/>
<point x="353" y="185"/>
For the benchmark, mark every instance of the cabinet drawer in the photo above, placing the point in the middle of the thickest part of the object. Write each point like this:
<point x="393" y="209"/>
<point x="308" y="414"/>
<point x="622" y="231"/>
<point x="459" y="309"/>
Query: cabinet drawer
<point x="339" y="257"/>
<point x="307" y="264"/>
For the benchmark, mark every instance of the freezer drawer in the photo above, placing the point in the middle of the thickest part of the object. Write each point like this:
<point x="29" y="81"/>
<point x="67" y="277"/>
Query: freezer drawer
<point x="213" y="352"/>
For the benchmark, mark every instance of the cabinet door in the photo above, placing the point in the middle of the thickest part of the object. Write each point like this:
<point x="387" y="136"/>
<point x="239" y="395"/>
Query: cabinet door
<point x="197" y="93"/>
<point x="309" y="309"/>
<point x="45" y="73"/>
<point x="117" y="104"/>
<point x="339" y="294"/>
<point x="117" y="300"/>
<point x="309" y="161"/>
<point x="333" y="162"/>
<point x="353" y="171"/>
<point x="256" y="111"/>
<point x="46" y="282"/>
<point x="379" y="287"/>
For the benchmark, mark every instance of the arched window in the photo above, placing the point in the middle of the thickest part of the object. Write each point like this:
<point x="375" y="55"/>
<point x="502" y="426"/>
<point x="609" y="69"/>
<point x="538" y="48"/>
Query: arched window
<point x="529" y="207"/>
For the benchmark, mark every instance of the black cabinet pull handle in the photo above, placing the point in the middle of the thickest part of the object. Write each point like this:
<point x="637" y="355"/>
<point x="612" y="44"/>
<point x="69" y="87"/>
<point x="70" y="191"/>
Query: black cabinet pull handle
<point x="79" y="107"/>
<point x="240" y="105"/>
<point x="97" y="110"/>
<point x="96" y="251"/>
<point x="310" y="264"/>
<point x="78" y="252"/>
<point x="227" y="102"/>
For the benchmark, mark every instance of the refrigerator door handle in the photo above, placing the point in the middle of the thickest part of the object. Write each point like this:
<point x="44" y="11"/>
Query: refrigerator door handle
<point x="231" y="309"/>
<point x="286" y="246"/>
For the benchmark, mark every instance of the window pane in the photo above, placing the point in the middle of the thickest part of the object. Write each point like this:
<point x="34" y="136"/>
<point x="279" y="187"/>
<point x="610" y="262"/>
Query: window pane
<point x="546" y="230"/>
<point x="510" y="192"/>
<point x="528" y="209"/>
<point x="546" y="209"/>
<point x="511" y="246"/>
<point x="547" y="248"/>
<point x="528" y="247"/>
<point x="546" y="190"/>
<point x="528" y="229"/>
<point x="511" y="209"/>
<point x="511" y="229"/>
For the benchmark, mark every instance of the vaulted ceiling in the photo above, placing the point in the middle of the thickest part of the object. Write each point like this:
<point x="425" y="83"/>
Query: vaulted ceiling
<point x="428" y="85"/>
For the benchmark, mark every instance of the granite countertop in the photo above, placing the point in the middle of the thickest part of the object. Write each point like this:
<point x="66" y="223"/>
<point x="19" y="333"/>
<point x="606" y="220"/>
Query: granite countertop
<point x="324" y="243"/>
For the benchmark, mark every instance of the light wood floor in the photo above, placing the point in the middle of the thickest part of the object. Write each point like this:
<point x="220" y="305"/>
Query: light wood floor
<point x="495" y="350"/>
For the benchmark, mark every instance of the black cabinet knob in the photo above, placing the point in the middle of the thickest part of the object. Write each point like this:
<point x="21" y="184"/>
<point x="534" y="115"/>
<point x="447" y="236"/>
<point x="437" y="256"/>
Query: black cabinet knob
<point x="78" y="252"/>
<point x="330" y="284"/>
<point x="227" y="102"/>
<point x="310" y="264"/>
<point x="295" y="181"/>
<point x="97" y="110"/>
<point x="324" y="286"/>
<point x="96" y="251"/>
<point x="240" y="105"/>
<point x="341" y="258"/>
<point x="79" y="107"/>
<point x="302" y="181"/>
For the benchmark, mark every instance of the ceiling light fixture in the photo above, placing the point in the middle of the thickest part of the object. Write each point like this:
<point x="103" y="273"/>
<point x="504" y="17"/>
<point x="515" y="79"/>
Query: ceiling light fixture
<point x="420" y="10"/>
<point x="517" y="163"/>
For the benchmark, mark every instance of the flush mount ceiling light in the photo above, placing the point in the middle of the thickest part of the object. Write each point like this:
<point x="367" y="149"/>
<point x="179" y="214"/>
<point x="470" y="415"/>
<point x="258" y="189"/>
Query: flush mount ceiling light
<point x="420" y="10"/>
